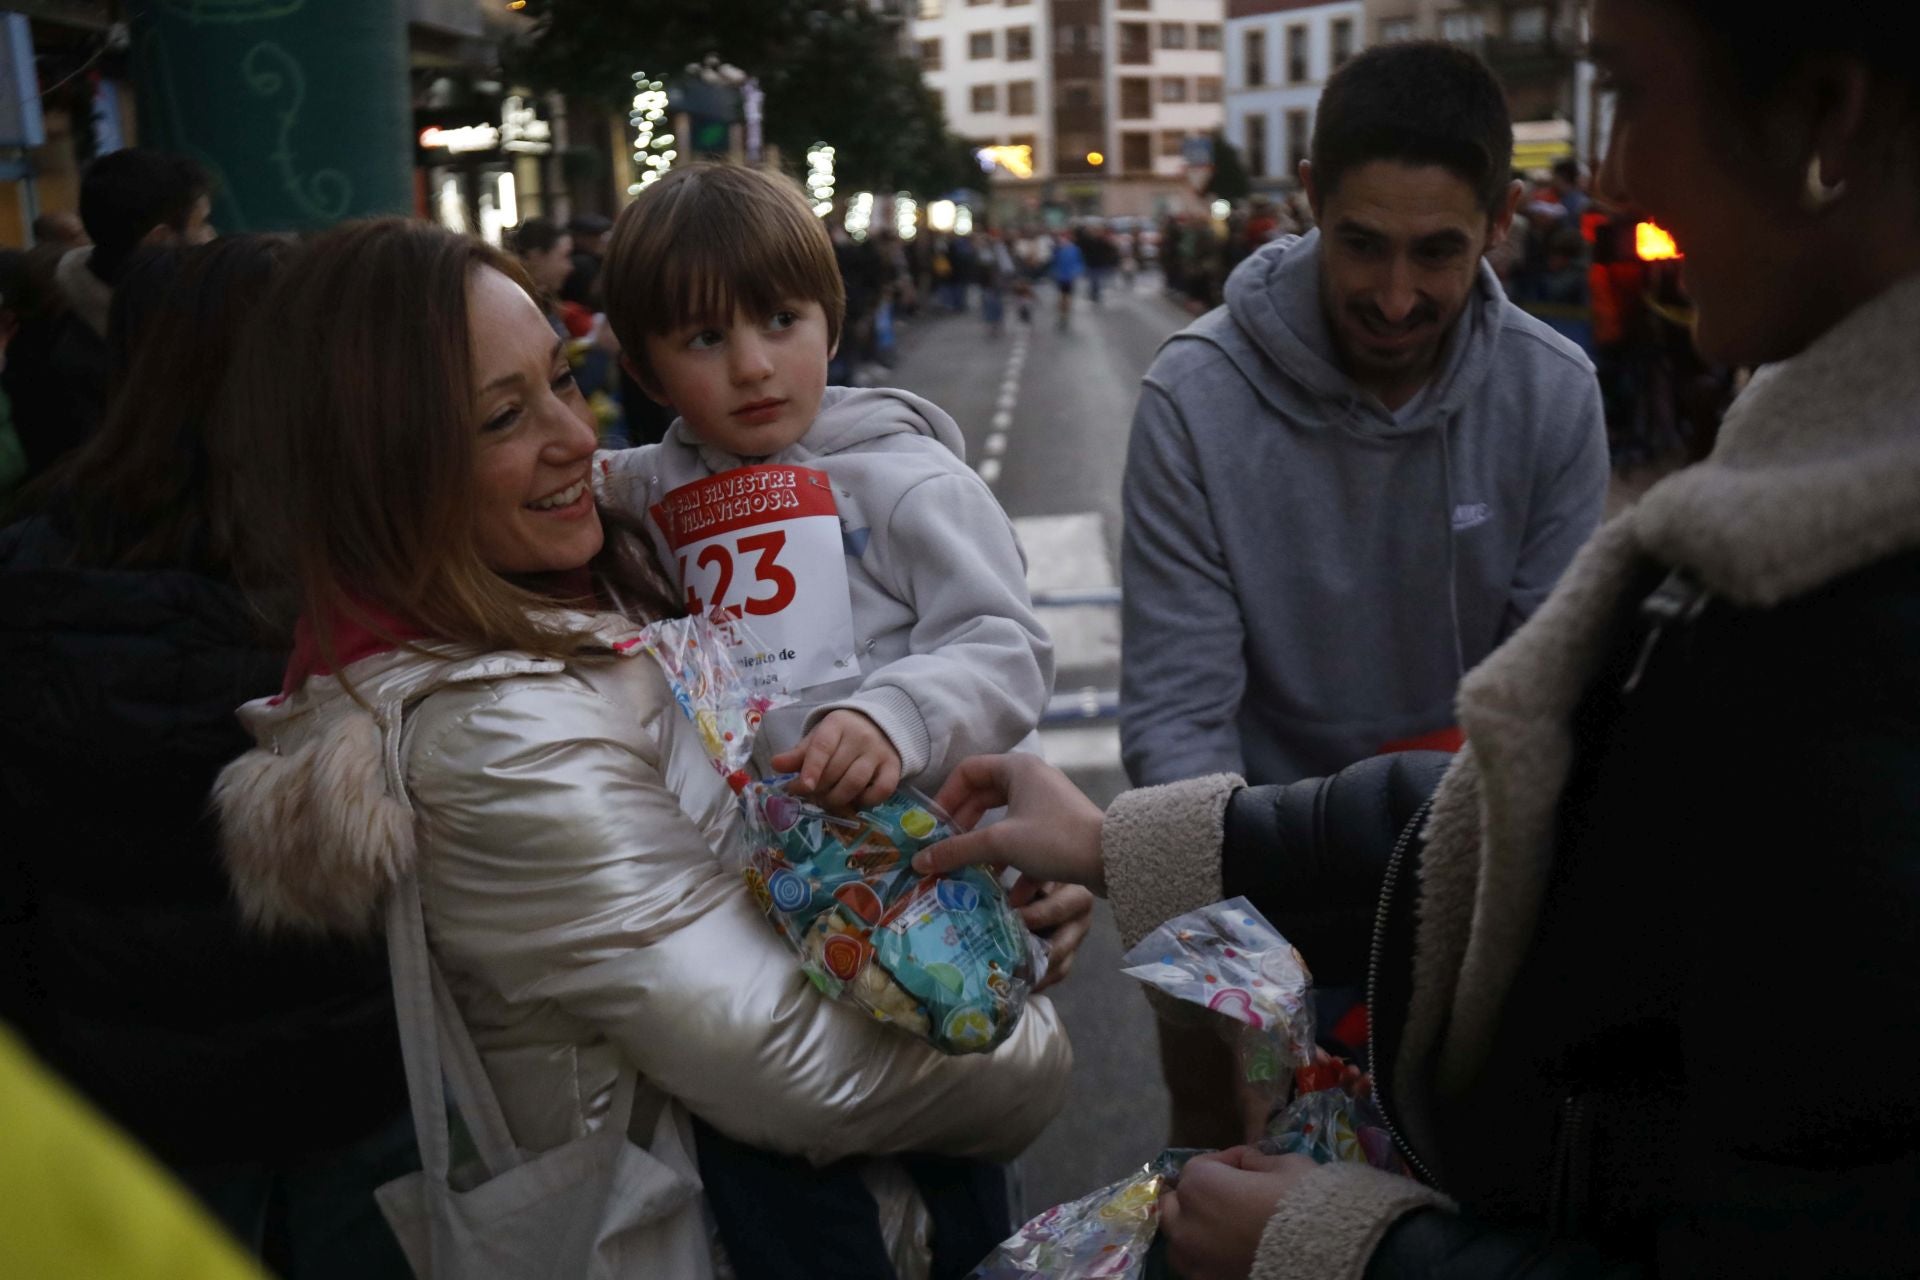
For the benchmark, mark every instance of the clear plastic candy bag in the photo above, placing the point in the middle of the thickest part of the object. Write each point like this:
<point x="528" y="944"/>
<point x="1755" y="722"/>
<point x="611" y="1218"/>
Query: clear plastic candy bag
<point x="945" y="958"/>
<point x="1227" y="958"/>
<point x="1102" y="1236"/>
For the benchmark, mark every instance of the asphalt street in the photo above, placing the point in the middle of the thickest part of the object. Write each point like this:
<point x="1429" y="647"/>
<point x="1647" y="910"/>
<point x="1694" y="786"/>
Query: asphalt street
<point x="1046" y="413"/>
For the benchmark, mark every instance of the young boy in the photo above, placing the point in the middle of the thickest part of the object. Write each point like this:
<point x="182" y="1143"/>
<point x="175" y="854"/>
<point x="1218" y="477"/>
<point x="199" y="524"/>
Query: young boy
<point x="906" y="632"/>
<point x="878" y="573"/>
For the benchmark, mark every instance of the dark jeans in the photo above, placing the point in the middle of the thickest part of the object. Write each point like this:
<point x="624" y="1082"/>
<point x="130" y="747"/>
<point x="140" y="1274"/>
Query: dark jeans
<point x="784" y="1219"/>
<point x="314" y="1217"/>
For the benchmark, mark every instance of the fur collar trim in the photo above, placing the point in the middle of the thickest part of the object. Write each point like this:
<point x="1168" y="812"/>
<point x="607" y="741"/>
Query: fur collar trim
<point x="1817" y="474"/>
<point x="315" y="824"/>
<point x="87" y="294"/>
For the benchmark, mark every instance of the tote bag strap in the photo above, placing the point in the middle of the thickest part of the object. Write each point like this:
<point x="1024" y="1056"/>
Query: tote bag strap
<point x="440" y="1053"/>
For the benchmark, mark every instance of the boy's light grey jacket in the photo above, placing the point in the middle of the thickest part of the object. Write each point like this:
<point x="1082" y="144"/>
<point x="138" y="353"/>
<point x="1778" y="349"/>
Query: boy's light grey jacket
<point x="953" y="661"/>
<point x="1306" y="578"/>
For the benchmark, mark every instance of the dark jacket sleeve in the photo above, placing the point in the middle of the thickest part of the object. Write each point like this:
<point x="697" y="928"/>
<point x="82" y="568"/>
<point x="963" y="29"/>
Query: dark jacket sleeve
<point x="1436" y="1245"/>
<point x="1311" y="855"/>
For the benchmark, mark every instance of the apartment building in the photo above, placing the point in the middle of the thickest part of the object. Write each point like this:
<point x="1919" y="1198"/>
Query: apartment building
<point x="991" y="63"/>
<point x="1279" y="55"/>
<point x="1532" y="45"/>
<point x="1166" y="84"/>
<point x="1103" y="93"/>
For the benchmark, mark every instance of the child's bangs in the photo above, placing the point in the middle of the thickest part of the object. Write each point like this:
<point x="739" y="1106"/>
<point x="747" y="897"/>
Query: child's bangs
<point x="717" y="270"/>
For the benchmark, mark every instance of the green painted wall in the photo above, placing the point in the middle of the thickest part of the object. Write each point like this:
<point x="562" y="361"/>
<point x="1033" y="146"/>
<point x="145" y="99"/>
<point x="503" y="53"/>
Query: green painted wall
<point x="299" y="108"/>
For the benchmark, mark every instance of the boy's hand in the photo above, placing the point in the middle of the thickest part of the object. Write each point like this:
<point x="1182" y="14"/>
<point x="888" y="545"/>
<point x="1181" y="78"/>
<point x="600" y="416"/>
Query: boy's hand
<point x="844" y="762"/>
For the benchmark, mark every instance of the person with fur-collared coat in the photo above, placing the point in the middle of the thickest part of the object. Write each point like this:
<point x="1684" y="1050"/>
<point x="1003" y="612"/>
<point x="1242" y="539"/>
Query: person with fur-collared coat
<point x="469" y="707"/>
<point x="1606" y="955"/>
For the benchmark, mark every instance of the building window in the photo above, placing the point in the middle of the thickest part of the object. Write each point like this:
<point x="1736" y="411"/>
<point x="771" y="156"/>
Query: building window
<point x="1206" y="89"/>
<point x="1172" y="143"/>
<point x="1528" y="25"/>
<point x="980" y="45"/>
<point x="1078" y="96"/>
<point x="1342" y="41"/>
<point x="1207" y="36"/>
<point x="1173" y="35"/>
<point x="1076" y="38"/>
<point x="1136" y="44"/>
<point x="1136" y="153"/>
<point x="1020" y="98"/>
<point x="1392" y="29"/>
<point x="1019" y="44"/>
<point x="1134" y="4"/>
<point x="1296" y="55"/>
<point x="1136" y="98"/>
<point x="1463" y="26"/>
<point x="1255" y="49"/>
<point x="930" y="10"/>
<point x="1296" y="140"/>
<point x="930" y="54"/>
<point x="984" y="97"/>
<point x="1256" y="135"/>
<point x="1173" y="89"/>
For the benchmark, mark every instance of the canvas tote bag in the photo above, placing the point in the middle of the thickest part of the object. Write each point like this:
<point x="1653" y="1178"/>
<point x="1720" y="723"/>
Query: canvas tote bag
<point x="597" y="1208"/>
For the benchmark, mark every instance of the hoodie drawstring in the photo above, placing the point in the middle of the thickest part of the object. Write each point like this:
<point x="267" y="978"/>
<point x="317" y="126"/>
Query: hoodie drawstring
<point x="1453" y="568"/>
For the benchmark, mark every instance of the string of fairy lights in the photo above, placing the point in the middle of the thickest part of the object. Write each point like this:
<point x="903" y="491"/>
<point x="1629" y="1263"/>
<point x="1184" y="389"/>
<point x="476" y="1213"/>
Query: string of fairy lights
<point x="653" y="151"/>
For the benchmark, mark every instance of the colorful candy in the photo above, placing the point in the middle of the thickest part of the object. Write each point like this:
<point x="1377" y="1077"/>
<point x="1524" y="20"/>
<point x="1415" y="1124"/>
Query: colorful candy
<point x="944" y="958"/>
<point x="1102" y="1236"/>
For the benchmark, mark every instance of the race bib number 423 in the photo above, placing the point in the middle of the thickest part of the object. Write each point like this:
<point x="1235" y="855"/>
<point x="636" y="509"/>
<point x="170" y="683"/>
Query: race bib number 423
<point x="763" y="545"/>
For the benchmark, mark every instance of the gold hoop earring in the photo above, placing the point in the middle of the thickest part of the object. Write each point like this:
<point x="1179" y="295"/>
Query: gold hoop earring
<point x="1820" y="194"/>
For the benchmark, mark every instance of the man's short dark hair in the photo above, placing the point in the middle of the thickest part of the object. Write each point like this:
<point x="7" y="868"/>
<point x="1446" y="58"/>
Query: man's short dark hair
<point x="125" y="194"/>
<point x="1419" y="103"/>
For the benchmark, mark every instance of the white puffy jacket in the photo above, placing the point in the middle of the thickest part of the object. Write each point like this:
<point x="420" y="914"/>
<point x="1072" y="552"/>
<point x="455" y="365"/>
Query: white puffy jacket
<point x="564" y="823"/>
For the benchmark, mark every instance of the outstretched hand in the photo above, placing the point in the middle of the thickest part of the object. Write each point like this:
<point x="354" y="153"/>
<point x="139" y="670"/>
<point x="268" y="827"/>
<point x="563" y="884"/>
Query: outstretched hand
<point x="1051" y="832"/>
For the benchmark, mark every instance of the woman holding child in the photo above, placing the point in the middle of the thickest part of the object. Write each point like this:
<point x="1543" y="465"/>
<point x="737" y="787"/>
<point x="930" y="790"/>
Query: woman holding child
<point x="467" y="707"/>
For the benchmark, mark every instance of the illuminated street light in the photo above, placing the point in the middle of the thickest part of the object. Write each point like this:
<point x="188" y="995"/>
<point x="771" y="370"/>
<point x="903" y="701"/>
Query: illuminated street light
<point x="1652" y="243"/>
<point x="1016" y="159"/>
<point x="940" y="215"/>
<point x="1095" y="159"/>
<point x="904" y="209"/>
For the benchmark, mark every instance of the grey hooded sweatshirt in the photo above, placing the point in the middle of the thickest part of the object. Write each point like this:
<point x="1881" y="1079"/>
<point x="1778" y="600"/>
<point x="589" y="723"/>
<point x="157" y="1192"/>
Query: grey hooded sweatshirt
<point x="1307" y="576"/>
<point x="953" y="661"/>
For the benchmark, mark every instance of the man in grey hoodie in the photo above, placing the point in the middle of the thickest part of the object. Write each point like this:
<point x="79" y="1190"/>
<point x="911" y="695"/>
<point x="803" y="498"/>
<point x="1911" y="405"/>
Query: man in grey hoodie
<point x="1349" y="484"/>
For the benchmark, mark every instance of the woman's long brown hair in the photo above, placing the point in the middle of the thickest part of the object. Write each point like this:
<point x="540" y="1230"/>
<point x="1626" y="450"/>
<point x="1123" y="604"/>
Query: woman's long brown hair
<point x="349" y="437"/>
<point x="136" y="495"/>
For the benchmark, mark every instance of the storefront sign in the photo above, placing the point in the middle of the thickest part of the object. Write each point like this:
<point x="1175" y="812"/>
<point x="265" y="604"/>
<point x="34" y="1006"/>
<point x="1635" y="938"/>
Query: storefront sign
<point x="519" y="130"/>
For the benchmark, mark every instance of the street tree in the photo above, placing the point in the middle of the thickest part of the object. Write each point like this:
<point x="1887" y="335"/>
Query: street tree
<point x="831" y="71"/>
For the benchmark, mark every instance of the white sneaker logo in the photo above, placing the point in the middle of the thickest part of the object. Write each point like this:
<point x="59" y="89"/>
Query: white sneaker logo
<point x="1471" y="515"/>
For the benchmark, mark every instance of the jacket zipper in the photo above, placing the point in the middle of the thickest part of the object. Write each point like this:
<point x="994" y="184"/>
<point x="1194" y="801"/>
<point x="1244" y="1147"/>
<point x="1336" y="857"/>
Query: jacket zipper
<point x="1373" y="982"/>
<point x="1568" y="1182"/>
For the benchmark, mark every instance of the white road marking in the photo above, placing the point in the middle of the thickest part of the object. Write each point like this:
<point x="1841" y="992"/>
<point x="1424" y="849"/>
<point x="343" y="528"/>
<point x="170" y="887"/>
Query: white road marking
<point x="996" y="444"/>
<point x="1065" y="553"/>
